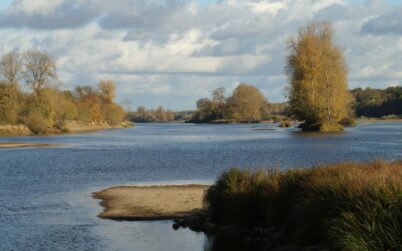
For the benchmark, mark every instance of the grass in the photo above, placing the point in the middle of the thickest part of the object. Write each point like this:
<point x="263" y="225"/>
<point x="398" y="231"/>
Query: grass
<point x="347" y="206"/>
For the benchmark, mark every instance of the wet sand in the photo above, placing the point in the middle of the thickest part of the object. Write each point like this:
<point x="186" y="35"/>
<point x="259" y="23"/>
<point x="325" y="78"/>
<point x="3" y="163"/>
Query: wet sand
<point x="150" y="202"/>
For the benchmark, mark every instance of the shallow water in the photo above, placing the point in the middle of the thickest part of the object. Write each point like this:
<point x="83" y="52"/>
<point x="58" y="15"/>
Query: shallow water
<point x="45" y="193"/>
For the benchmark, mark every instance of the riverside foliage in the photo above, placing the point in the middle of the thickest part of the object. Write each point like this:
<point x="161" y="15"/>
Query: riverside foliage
<point x="246" y="104"/>
<point x="318" y="79"/>
<point x="378" y="102"/>
<point x="346" y="206"/>
<point x="41" y="105"/>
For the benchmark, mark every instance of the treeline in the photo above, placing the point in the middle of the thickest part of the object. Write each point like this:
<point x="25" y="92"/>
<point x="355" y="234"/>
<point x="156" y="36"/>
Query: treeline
<point x="318" y="89"/>
<point x="159" y="115"/>
<point x="41" y="105"/>
<point x="143" y="115"/>
<point x="246" y="104"/>
<point x="378" y="102"/>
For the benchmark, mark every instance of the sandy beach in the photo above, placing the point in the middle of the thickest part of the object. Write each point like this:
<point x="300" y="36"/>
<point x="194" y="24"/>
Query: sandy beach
<point x="150" y="202"/>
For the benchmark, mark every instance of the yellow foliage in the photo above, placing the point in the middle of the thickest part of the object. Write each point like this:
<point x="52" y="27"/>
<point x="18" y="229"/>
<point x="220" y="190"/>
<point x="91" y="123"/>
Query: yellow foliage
<point x="318" y="76"/>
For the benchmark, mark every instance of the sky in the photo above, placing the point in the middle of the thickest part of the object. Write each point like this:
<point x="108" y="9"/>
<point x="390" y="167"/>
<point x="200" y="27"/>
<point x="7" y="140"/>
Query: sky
<point x="174" y="52"/>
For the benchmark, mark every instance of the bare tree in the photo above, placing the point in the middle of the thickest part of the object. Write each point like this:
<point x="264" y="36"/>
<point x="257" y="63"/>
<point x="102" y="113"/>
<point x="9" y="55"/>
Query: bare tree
<point x="39" y="69"/>
<point x="218" y="95"/>
<point x="10" y="67"/>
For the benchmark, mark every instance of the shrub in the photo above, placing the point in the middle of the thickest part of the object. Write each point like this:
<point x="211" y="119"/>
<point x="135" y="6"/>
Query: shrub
<point x="113" y="113"/>
<point x="348" y="121"/>
<point x="346" y="206"/>
<point x="37" y="123"/>
<point x="327" y="126"/>
<point x="285" y="124"/>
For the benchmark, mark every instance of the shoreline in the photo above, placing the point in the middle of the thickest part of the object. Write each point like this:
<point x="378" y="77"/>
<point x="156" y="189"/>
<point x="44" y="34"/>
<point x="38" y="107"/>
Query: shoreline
<point x="376" y="120"/>
<point x="11" y="145"/>
<point x="21" y="130"/>
<point x="150" y="203"/>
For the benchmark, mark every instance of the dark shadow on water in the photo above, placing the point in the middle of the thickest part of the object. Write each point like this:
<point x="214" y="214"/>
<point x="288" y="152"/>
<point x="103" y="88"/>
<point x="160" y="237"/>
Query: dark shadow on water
<point x="232" y="243"/>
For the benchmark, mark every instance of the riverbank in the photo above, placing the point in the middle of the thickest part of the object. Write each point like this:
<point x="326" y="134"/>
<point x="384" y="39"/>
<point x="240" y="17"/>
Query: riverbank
<point x="345" y="206"/>
<point x="74" y="126"/>
<point x="71" y="127"/>
<point x="377" y="120"/>
<point x="325" y="207"/>
<point x="24" y="145"/>
<point x="15" y="130"/>
<point x="150" y="202"/>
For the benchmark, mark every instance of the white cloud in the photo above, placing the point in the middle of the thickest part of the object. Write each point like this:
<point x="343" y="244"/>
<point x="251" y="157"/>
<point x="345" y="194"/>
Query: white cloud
<point x="171" y="53"/>
<point x="263" y="7"/>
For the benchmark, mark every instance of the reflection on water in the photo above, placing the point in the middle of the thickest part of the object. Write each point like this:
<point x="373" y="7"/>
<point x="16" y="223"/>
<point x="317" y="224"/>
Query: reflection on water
<point x="45" y="201"/>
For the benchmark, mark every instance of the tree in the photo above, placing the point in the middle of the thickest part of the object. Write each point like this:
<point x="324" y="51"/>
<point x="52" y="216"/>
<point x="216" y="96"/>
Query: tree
<point x="318" y="78"/>
<point x="377" y="102"/>
<point x="246" y="103"/>
<point x="10" y="67"/>
<point x="108" y="90"/>
<point x="218" y="95"/>
<point x="9" y="103"/>
<point x="89" y="102"/>
<point x="39" y="69"/>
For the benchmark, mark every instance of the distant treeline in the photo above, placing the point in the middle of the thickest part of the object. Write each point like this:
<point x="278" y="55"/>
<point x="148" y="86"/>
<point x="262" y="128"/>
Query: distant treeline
<point x="378" y="102"/>
<point x="160" y="115"/>
<point x="246" y="104"/>
<point x="43" y="107"/>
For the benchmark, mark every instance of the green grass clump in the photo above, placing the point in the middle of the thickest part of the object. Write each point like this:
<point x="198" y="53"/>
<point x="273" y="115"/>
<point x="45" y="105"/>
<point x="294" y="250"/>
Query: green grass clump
<point x="348" y="206"/>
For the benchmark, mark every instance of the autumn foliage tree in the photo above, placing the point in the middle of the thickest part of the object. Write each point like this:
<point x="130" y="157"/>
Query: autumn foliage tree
<point x="44" y="107"/>
<point x="318" y="78"/>
<point x="246" y="104"/>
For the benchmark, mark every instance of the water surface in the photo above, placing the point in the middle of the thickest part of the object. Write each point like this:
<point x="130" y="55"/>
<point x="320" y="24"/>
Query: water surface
<point x="45" y="201"/>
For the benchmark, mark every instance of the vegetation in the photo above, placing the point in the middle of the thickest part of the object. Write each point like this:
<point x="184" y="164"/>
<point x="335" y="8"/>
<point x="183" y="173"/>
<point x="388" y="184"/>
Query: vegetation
<point x="377" y="102"/>
<point x="143" y="115"/>
<point x="347" y="206"/>
<point x="45" y="108"/>
<point x="318" y="79"/>
<point x="247" y="104"/>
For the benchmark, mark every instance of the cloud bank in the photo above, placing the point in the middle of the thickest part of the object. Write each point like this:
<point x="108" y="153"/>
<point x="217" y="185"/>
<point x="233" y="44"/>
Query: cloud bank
<point x="173" y="52"/>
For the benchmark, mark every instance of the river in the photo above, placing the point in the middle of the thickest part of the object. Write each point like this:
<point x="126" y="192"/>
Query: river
<point x="45" y="193"/>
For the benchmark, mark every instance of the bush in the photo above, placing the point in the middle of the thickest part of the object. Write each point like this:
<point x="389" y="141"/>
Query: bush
<point x="350" y="122"/>
<point x="346" y="206"/>
<point x="37" y="123"/>
<point x="113" y="113"/>
<point x="285" y="124"/>
<point x="327" y="126"/>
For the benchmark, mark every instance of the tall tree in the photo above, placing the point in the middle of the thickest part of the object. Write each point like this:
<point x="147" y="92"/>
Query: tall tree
<point x="318" y="78"/>
<point x="10" y="67"/>
<point x="108" y="90"/>
<point x="39" y="69"/>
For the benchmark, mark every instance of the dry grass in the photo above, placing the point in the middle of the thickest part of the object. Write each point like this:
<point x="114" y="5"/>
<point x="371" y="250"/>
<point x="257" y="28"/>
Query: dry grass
<point x="347" y="206"/>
